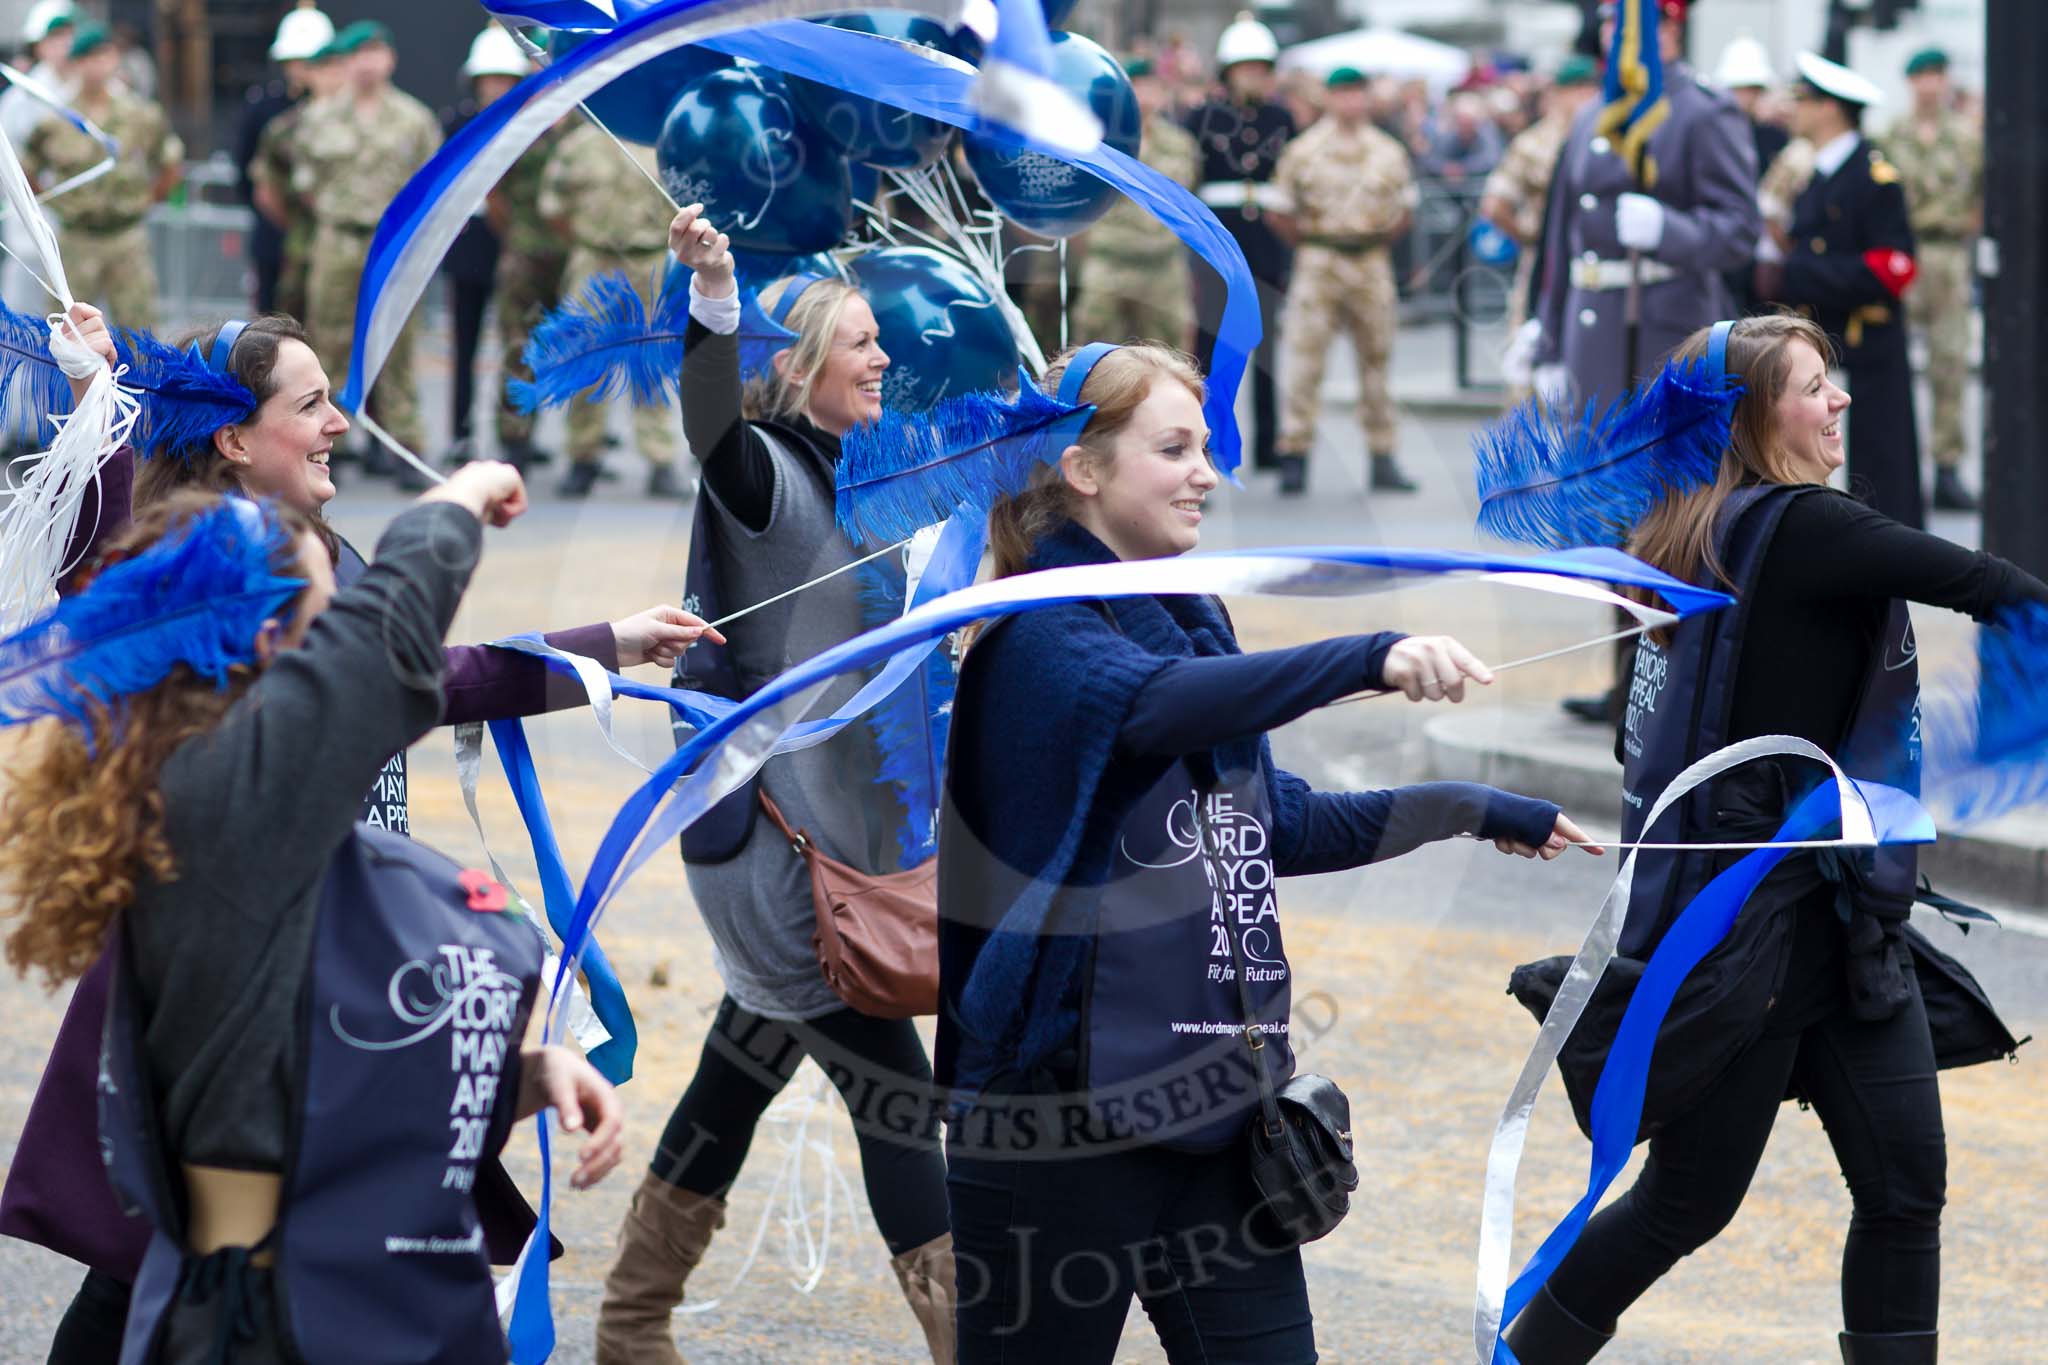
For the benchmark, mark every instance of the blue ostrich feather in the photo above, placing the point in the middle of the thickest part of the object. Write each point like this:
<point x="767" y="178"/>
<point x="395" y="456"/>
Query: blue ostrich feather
<point x="1554" y="479"/>
<point x="198" y="597"/>
<point x="184" y="400"/>
<point x="1986" y="746"/>
<point x="912" y="470"/>
<point x="34" y="388"/>
<point x="910" y="725"/>
<point x="603" y="344"/>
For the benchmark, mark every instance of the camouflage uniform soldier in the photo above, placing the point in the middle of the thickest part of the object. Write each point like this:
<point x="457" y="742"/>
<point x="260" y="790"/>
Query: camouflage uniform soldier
<point x="270" y="172"/>
<point x="354" y="151"/>
<point x="532" y="259"/>
<point x="1940" y="159"/>
<point x="1784" y="180"/>
<point x="1519" y="186"/>
<point x="1135" y="281"/>
<point x="105" y="245"/>
<point x="614" y="220"/>
<point x="1349" y="194"/>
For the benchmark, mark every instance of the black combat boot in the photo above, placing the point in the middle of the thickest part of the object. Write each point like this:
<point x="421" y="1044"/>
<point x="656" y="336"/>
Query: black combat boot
<point x="1293" y="474"/>
<point x="581" y="478"/>
<point x="1388" y="478"/>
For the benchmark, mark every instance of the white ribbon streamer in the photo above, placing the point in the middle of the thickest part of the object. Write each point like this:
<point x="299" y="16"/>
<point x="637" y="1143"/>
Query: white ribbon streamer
<point x="35" y="527"/>
<point x="1504" y="1158"/>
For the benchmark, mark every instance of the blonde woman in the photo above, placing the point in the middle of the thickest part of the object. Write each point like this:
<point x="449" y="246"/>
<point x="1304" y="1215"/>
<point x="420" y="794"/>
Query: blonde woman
<point x="765" y="525"/>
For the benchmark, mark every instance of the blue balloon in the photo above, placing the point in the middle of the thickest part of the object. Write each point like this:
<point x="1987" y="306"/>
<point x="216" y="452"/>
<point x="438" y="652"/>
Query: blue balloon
<point x="1050" y="197"/>
<point x="872" y="132"/>
<point x="634" y="105"/>
<point x="735" y="143"/>
<point x="940" y="325"/>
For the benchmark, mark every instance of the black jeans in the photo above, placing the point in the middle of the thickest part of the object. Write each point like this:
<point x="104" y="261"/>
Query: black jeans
<point x="90" y="1333"/>
<point x="1874" y="1087"/>
<point x="467" y="300"/>
<point x="1049" y="1251"/>
<point x="881" y="1071"/>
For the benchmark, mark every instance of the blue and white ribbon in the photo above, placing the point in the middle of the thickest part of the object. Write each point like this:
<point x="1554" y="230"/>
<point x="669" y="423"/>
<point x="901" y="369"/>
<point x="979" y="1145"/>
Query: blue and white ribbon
<point x="733" y="740"/>
<point x="1869" y="815"/>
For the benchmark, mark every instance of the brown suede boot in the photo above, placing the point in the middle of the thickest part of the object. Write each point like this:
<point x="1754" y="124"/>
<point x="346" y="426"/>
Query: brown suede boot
<point x="664" y="1236"/>
<point x="926" y="1274"/>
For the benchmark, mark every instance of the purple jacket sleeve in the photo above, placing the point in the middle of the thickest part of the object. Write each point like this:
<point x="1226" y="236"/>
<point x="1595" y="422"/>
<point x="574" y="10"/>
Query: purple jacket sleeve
<point x="102" y="515"/>
<point x="483" y="683"/>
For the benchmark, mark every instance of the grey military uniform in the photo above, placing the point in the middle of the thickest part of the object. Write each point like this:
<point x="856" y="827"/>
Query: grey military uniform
<point x="1706" y="181"/>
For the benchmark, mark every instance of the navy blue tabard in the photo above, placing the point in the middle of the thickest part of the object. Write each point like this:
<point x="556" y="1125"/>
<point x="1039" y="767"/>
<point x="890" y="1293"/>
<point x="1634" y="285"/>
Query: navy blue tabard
<point x="416" y="1000"/>
<point x="1680" y="701"/>
<point x="1166" y="1059"/>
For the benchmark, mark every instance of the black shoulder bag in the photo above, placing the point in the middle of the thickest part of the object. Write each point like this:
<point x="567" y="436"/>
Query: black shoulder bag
<point x="1300" y="1140"/>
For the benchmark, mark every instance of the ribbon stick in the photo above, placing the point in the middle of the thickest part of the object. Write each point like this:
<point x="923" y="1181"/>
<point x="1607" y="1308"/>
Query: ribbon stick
<point x="1869" y="814"/>
<point x="36" y="90"/>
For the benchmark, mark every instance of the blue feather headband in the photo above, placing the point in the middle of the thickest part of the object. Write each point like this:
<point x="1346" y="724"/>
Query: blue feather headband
<point x="196" y="598"/>
<point x="603" y="344"/>
<point x="907" y="471"/>
<point x="1552" y="480"/>
<point x="1987" y="737"/>
<point x="183" y="399"/>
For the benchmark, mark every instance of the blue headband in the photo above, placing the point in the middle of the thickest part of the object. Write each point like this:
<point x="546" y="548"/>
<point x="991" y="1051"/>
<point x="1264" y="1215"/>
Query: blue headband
<point x="1075" y="376"/>
<point x="1717" y="347"/>
<point x="223" y="348"/>
<point x="798" y="283"/>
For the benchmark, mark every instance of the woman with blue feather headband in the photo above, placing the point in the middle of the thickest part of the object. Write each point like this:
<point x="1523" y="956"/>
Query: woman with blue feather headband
<point x="244" y="409"/>
<point x="275" y="1087"/>
<point x="764" y="528"/>
<point x="1114" y="987"/>
<point x="1716" y="472"/>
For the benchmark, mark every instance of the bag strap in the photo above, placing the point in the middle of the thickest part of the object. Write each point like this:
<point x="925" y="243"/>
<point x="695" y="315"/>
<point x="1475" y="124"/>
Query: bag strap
<point x="796" y="838"/>
<point x="1254" y="1038"/>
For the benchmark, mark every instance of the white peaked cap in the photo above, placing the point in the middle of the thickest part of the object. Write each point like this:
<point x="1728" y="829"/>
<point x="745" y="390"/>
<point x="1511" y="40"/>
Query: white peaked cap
<point x="1832" y="78"/>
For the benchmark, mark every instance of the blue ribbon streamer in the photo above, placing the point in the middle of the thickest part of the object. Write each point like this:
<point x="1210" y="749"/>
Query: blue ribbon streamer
<point x="943" y="90"/>
<point x="571" y="16"/>
<point x="613" y="1058"/>
<point x="1617" y="1108"/>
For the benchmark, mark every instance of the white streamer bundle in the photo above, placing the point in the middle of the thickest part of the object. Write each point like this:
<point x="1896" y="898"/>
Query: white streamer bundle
<point x="35" y="527"/>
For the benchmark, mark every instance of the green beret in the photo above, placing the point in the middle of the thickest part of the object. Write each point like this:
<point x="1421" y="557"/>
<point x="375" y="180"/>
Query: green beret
<point x="359" y="35"/>
<point x="1346" y="75"/>
<point x="89" y="38"/>
<point x="1139" y="66"/>
<point x="1577" y="69"/>
<point x="1927" y="59"/>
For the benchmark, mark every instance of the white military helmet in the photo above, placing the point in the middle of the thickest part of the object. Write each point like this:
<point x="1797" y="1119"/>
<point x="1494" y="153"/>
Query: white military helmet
<point x="1246" y="40"/>
<point x="1831" y="78"/>
<point x="1745" y="65"/>
<point x="43" y="16"/>
<point x="301" y="33"/>
<point x="494" y="53"/>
